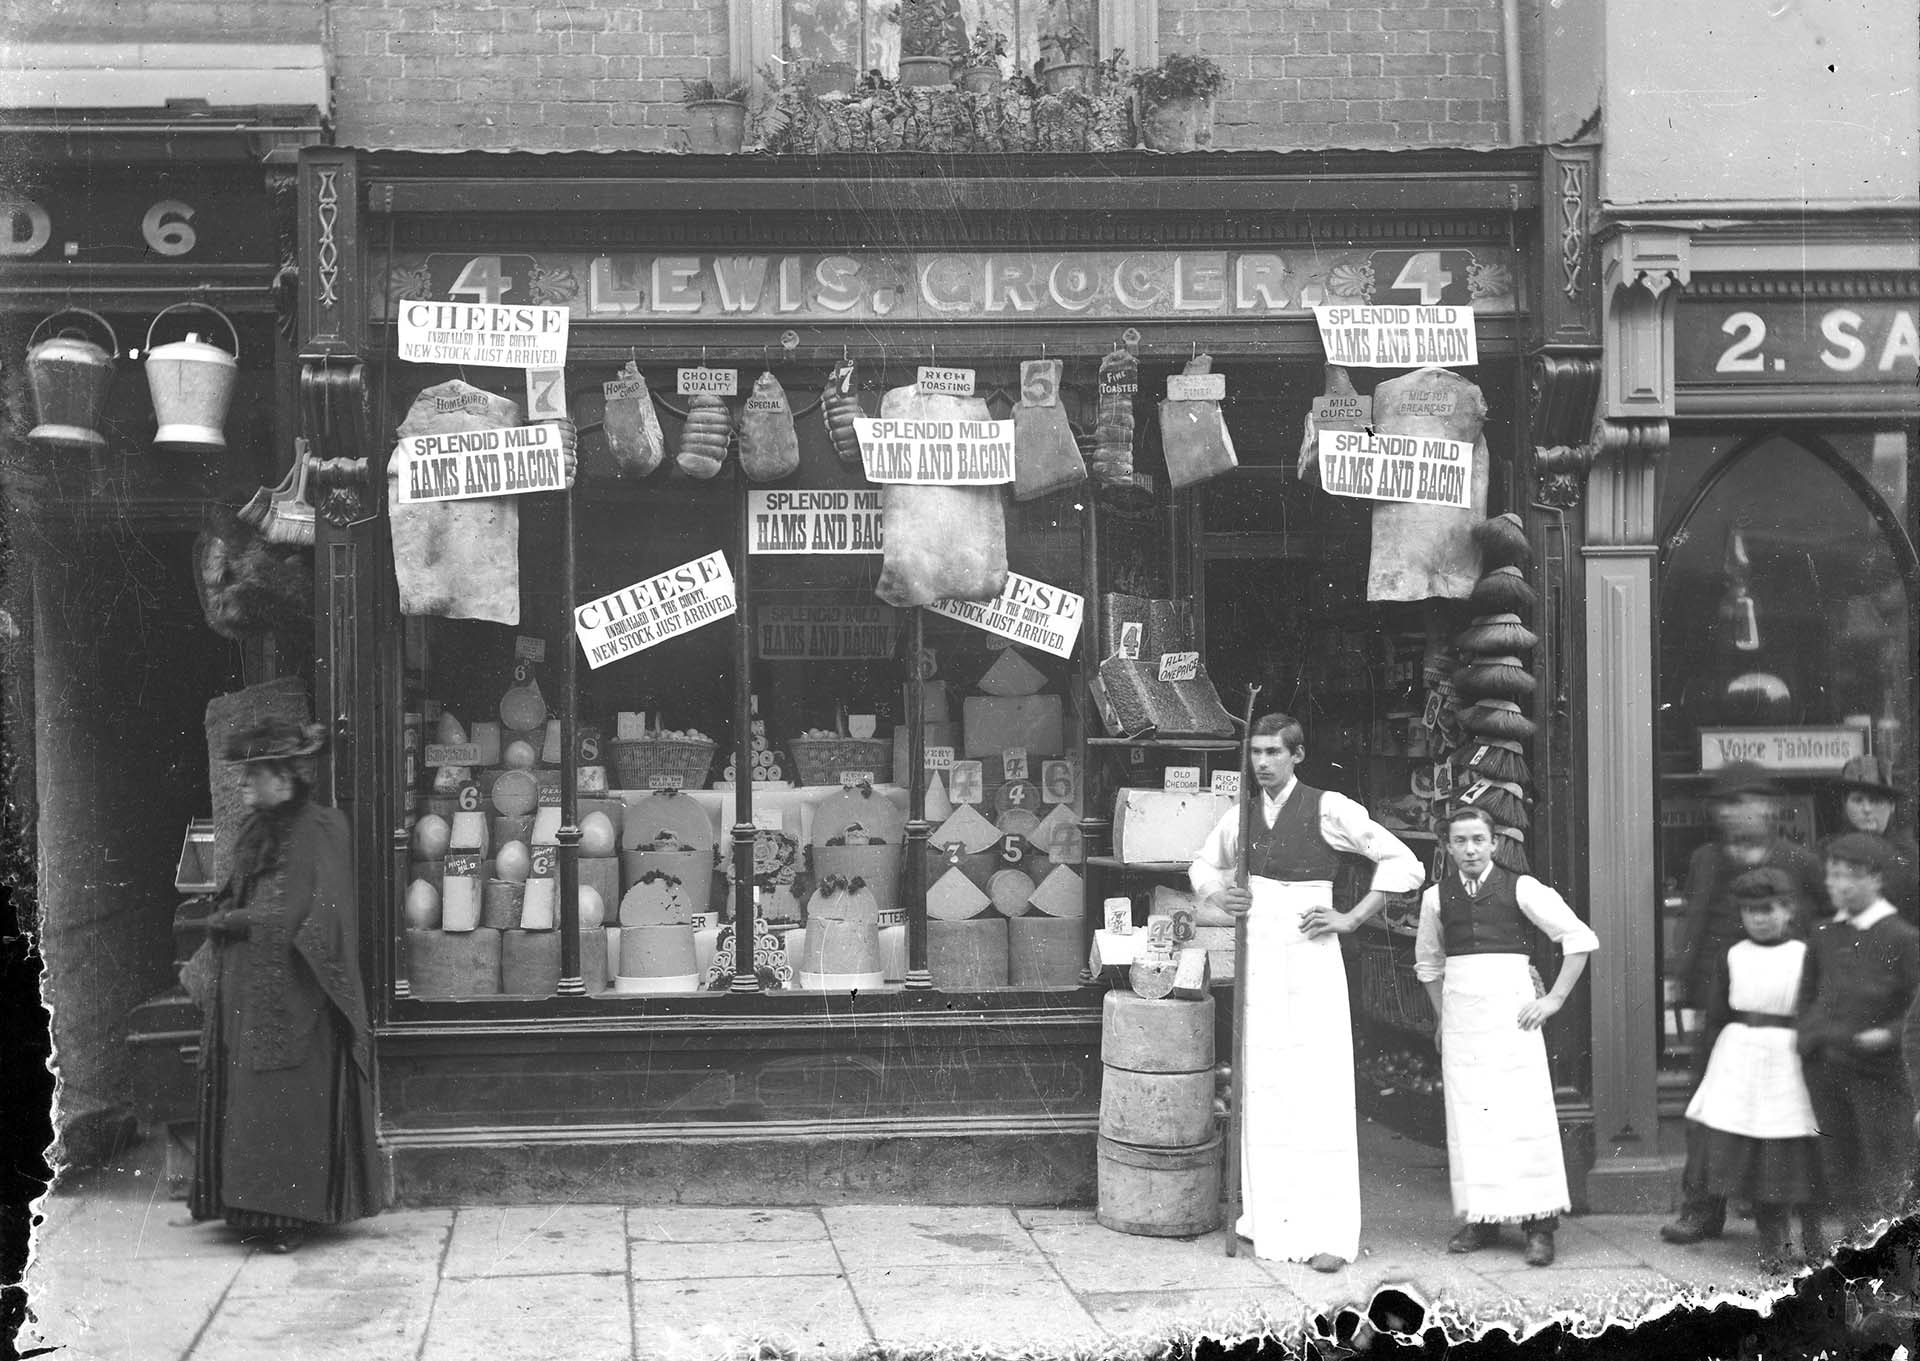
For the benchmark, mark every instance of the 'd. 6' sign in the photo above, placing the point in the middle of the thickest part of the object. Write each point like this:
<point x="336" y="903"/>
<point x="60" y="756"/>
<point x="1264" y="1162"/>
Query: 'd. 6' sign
<point x="27" y="227"/>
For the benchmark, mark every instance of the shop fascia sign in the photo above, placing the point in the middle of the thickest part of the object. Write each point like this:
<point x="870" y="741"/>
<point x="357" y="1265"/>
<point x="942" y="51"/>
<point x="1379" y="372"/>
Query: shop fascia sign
<point x="1720" y="341"/>
<point x="1064" y="285"/>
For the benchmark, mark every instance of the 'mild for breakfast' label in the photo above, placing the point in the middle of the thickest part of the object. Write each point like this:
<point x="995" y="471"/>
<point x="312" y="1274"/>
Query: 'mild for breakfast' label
<point x="1197" y="387"/>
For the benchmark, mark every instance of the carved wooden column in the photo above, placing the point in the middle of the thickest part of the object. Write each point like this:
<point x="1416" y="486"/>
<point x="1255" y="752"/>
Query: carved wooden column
<point x="1641" y="272"/>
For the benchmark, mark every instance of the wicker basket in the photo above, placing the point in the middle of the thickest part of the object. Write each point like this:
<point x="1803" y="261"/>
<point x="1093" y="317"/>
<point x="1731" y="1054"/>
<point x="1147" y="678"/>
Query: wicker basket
<point x="638" y="760"/>
<point x="819" y="760"/>
<point x="1390" y="991"/>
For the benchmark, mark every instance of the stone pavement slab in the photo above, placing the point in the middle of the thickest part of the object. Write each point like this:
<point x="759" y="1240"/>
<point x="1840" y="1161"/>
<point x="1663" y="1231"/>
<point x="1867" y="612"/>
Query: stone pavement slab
<point x="1154" y="1317"/>
<point x="537" y="1240"/>
<point x="319" y="1323"/>
<point x="687" y="1320"/>
<point x="998" y="1306"/>
<point x="881" y="1236"/>
<point x="721" y="1224"/>
<point x="397" y="1250"/>
<point x="1089" y="1257"/>
<point x="128" y="1310"/>
<point x="680" y="1261"/>
<point x="531" y="1318"/>
<point x="1587" y="1297"/>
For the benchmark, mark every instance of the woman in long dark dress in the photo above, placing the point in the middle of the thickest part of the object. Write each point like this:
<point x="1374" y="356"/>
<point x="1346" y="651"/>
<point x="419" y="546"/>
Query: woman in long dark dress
<point x="286" y="1096"/>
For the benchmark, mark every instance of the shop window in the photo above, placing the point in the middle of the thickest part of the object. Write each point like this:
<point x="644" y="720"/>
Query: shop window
<point x="1786" y="600"/>
<point x="865" y="35"/>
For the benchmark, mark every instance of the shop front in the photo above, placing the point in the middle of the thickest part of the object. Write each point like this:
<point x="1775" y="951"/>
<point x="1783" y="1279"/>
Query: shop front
<point x="727" y="693"/>
<point x="1757" y="461"/>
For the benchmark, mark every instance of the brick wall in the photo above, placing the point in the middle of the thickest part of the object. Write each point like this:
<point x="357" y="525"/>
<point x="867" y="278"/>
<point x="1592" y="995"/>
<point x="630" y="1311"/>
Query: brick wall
<point x="1348" y="73"/>
<point x="126" y="21"/>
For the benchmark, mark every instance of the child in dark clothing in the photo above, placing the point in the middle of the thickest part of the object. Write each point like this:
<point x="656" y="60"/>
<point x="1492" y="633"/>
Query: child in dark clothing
<point x="1752" y="1102"/>
<point x="1861" y="975"/>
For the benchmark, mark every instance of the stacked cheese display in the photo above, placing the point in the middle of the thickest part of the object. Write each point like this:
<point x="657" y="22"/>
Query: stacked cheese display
<point x="1005" y="903"/>
<point x="762" y="759"/>
<point x="482" y="905"/>
<point x="666" y="873"/>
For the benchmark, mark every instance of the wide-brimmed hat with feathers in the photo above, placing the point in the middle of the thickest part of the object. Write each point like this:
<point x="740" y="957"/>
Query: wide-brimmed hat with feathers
<point x="275" y="739"/>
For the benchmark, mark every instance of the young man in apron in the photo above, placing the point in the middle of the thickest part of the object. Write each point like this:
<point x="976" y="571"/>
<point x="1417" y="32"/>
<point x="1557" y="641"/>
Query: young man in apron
<point x="1503" y="1137"/>
<point x="1300" y="1177"/>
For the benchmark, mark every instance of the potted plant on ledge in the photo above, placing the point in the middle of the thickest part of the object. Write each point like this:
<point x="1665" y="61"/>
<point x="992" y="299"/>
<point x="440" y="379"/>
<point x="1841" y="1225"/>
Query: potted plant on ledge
<point x="933" y="37"/>
<point x="982" y="73"/>
<point x="1065" y="50"/>
<point x="716" y="115"/>
<point x="1176" y="102"/>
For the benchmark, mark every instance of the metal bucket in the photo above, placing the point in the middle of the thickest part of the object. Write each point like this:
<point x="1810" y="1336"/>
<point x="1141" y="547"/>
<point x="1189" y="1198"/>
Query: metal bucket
<point x="70" y="376"/>
<point x="1159" y="1192"/>
<point x="192" y="385"/>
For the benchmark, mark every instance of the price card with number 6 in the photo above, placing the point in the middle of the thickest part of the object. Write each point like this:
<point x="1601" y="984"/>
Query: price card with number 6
<point x="1059" y="782"/>
<point x="545" y="860"/>
<point x="468" y="799"/>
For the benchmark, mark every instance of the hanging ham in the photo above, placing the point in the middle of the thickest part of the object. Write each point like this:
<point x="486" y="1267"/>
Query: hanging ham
<point x="769" y="445"/>
<point x="839" y="408"/>
<point x="1194" y="435"/>
<point x="456" y="559"/>
<point x="632" y="425"/>
<point x="1046" y="458"/>
<point x="1421" y="552"/>
<point x="703" y="444"/>
<point x="1113" y="419"/>
<point x="941" y="543"/>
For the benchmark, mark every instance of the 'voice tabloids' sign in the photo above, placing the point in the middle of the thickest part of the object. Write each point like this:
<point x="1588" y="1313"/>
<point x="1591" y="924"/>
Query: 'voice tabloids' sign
<point x="478" y="333"/>
<point x="1381" y="467"/>
<point x="460" y="464"/>
<point x="813" y="522"/>
<point x="650" y="612"/>
<point x="944" y="453"/>
<point x="1397" y="337"/>
<point x="1026" y="611"/>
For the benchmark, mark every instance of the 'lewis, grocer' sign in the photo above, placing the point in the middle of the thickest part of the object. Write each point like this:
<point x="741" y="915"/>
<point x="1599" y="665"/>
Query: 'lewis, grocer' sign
<point x="1026" y="611"/>
<point x="1397" y="337"/>
<point x="461" y="464"/>
<point x="478" y="333"/>
<point x="813" y="521"/>
<point x="943" y="453"/>
<point x="650" y="612"/>
<point x="1382" y="467"/>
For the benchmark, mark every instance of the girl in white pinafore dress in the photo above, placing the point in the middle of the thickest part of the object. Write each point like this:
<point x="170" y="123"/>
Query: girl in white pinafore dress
<point x="1761" y="1136"/>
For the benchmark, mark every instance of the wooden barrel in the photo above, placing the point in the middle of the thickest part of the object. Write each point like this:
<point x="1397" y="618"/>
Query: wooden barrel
<point x="1156" y="1110"/>
<point x="1045" y="952"/>
<point x="968" y="954"/>
<point x="1168" y="1035"/>
<point x="1159" y="1192"/>
<point x="529" y="963"/>
<point x="453" y="963"/>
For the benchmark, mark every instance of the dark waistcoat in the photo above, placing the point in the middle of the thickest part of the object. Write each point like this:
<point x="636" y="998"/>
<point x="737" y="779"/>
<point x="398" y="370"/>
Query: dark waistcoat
<point x="1292" y="850"/>
<point x="1489" y="924"/>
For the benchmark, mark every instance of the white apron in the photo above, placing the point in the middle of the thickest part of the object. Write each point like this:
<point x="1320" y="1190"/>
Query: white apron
<point x="1300" y="1161"/>
<point x="1503" y="1138"/>
<point x="1753" y="1084"/>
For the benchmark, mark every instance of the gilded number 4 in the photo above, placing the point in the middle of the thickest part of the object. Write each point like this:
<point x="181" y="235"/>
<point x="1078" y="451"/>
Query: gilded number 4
<point x="482" y="280"/>
<point x="1424" y="272"/>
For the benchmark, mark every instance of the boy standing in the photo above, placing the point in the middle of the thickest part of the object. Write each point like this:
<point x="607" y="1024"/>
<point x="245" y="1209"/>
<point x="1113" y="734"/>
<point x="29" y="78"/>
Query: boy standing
<point x="1503" y="1135"/>
<point x="1862" y="972"/>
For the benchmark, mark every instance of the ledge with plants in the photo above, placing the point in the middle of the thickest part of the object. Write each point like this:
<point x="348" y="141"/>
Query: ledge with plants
<point x="1176" y="102"/>
<point x="716" y="115"/>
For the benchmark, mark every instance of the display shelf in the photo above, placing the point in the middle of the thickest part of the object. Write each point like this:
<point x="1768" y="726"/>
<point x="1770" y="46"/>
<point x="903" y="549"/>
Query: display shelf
<point x="1169" y="743"/>
<point x="1114" y="862"/>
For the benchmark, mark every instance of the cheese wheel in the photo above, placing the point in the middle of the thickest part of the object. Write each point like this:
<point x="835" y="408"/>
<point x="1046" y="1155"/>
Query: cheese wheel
<point x="453" y="964"/>
<point x="523" y="708"/>
<point x="1009" y="891"/>
<point x="593" y="959"/>
<point x="530" y="963"/>
<point x="1045" y="952"/>
<point x="964" y="955"/>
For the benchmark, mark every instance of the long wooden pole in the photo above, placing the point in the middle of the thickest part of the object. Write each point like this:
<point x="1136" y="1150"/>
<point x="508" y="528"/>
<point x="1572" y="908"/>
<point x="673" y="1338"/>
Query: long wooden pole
<point x="1237" y="1100"/>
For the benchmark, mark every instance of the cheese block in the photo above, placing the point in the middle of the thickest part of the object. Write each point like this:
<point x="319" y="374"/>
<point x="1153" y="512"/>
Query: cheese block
<point x="486" y="736"/>
<point x="540" y="904"/>
<point x="873" y="815"/>
<point x="992" y="723"/>
<point x="1157" y="826"/>
<point x="1114" y="949"/>
<point x="1012" y="674"/>
<point x="666" y="811"/>
<point x="938" y="806"/>
<point x="593" y="959"/>
<point x="460" y="902"/>
<point x="656" y="958"/>
<point x="546" y="826"/>
<point x="470" y="832"/>
<point x="1058" y="834"/>
<point x="964" y="955"/>
<point x="529" y="963"/>
<point x="1044" y="952"/>
<point x="1217" y="941"/>
<point x="1009" y="891"/>
<point x="965" y="826"/>
<point x="938" y="734"/>
<point x="954" y="897"/>
<point x="501" y="904"/>
<point x="453" y="964"/>
<point x="878" y="865"/>
<point x="1061" y="894"/>
<point x="657" y="899"/>
<point x="550" y="744"/>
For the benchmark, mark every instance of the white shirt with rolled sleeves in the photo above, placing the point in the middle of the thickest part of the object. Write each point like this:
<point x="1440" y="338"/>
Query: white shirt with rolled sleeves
<point x="1300" y="1179"/>
<point x="1344" y="825"/>
<point x="1543" y="907"/>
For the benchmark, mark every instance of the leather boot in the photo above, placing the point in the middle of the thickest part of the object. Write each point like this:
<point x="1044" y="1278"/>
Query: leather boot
<point x="1771" y="1221"/>
<point x="1539" y="1247"/>
<point x="1698" y="1221"/>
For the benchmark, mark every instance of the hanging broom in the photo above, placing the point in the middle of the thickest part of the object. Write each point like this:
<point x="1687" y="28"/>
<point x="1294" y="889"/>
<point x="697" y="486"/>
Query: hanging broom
<point x="1503" y="591"/>
<point x="1503" y="541"/>
<point x="1501" y="759"/>
<point x="1504" y="803"/>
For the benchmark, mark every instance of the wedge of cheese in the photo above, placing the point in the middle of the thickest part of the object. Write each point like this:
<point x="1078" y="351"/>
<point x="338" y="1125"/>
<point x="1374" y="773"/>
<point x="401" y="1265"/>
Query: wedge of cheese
<point x="992" y="723"/>
<point x="1158" y="826"/>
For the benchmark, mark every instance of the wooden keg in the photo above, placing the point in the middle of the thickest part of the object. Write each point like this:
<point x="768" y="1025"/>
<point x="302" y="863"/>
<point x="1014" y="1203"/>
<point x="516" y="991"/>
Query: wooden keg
<point x="1159" y="1192"/>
